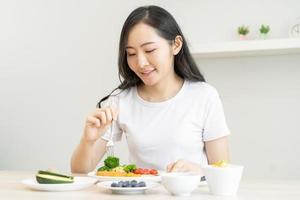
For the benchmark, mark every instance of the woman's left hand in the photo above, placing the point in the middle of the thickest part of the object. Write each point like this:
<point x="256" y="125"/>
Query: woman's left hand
<point x="184" y="166"/>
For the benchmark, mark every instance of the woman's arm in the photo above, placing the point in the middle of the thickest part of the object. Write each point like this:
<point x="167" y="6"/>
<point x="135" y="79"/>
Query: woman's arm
<point x="217" y="150"/>
<point x="92" y="147"/>
<point x="87" y="155"/>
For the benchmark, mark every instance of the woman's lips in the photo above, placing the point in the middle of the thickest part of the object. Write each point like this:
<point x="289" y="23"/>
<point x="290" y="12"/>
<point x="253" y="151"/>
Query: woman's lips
<point x="147" y="73"/>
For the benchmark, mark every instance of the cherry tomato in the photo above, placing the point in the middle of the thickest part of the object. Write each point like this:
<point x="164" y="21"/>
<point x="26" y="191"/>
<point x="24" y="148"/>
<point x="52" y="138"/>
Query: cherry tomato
<point x="138" y="171"/>
<point x="153" y="172"/>
<point x="145" y="171"/>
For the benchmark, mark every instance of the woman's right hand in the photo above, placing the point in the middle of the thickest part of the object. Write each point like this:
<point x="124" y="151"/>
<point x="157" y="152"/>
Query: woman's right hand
<point x="97" y="123"/>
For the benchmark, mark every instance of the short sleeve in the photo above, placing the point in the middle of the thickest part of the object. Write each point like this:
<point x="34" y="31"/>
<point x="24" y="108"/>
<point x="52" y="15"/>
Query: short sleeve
<point x="215" y="125"/>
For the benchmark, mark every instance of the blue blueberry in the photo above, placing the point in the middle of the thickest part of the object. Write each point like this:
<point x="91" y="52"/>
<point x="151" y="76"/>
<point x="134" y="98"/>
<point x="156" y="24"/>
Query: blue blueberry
<point x="133" y="184"/>
<point x="119" y="184"/>
<point x="141" y="184"/>
<point x="114" y="185"/>
<point x="125" y="184"/>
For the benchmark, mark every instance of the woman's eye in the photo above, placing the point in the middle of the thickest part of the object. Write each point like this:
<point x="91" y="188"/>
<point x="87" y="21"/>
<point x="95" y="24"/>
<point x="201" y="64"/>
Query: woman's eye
<point x="130" y="54"/>
<point x="149" y="51"/>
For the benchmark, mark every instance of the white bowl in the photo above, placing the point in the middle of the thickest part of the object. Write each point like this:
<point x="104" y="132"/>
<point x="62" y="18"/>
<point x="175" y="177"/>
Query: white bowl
<point x="180" y="183"/>
<point x="223" y="180"/>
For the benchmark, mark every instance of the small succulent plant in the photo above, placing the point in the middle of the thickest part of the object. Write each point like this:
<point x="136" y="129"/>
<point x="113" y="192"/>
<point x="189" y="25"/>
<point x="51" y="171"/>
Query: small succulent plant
<point x="243" y="30"/>
<point x="264" y="29"/>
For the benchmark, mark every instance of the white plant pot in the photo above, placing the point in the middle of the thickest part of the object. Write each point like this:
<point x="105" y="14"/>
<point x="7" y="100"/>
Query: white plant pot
<point x="264" y="36"/>
<point x="243" y="37"/>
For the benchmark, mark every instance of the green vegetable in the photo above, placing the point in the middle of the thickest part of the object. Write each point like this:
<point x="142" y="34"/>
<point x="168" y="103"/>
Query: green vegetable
<point x="129" y="168"/>
<point x="243" y="30"/>
<point x="111" y="162"/>
<point x="264" y="29"/>
<point x="46" y="177"/>
<point x="54" y="174"/>
<point x="104" y="168"/>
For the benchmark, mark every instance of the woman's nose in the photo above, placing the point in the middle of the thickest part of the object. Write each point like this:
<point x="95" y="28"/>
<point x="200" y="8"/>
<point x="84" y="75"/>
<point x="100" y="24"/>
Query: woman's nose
<point x="142" y="61"/>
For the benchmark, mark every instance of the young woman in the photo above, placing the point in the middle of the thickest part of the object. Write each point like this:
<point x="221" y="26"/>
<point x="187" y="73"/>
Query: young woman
<point x="171" y="118"/>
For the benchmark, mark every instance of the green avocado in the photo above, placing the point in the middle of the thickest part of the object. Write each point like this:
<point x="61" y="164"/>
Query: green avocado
<point x="45" y="177"/>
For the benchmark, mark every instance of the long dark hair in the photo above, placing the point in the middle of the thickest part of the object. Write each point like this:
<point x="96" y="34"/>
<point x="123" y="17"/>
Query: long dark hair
<point x="166" y="26"/>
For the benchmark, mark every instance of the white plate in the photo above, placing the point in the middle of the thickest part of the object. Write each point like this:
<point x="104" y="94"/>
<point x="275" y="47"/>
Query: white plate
<point x="78" y="184"/>
<point x="156" y="178"/>
<point x="127" y="190"/>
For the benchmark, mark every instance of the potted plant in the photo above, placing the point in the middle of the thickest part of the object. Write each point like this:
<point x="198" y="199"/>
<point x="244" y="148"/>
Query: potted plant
<point x="264" y="30"/>
<point x="243" y="31"/>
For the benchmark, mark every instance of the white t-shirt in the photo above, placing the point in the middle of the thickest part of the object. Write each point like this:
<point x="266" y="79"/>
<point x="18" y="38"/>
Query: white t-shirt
<point x="159" y="133"/>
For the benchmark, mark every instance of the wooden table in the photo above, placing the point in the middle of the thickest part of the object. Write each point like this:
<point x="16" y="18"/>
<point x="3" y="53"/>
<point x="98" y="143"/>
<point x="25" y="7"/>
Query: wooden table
<point x="12" y="189"/>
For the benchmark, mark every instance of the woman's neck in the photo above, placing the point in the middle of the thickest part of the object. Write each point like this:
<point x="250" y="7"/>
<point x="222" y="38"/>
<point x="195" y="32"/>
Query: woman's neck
<point x="162" y="91"/>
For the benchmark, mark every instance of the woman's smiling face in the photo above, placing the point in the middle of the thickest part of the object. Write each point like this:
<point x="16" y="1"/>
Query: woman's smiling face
<point x="149" y="55"/>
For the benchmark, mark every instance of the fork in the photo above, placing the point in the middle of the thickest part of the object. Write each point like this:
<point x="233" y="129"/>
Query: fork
<point x="112" y="102"/>
<point x="110" y="143"/>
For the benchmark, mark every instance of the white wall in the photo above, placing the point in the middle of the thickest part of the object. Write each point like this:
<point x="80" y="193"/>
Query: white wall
<point x="58" y="58"/>
<point x="261" y="99"/>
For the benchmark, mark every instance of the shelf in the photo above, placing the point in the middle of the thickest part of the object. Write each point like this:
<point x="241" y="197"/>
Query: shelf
<point x="246" y="48"/>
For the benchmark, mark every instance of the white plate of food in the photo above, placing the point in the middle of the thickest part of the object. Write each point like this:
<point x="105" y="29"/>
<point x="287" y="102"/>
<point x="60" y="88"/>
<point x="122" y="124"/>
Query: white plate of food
<point x="78" y="184"/>
<point x="112" y="170"/>
<point x="53" y="181"/>
<point x="119" y="188"/>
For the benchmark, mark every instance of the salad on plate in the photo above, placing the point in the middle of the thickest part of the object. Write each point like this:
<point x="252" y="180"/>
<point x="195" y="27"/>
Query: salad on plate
<point x="112" y="170"/>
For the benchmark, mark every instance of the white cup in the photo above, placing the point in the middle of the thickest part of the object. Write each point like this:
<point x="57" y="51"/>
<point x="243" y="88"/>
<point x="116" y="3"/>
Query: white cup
<point x="223" y="180"/>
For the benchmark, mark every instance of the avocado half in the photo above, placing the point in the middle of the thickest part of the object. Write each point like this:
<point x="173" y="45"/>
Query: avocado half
<point x="46" y="177"/>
